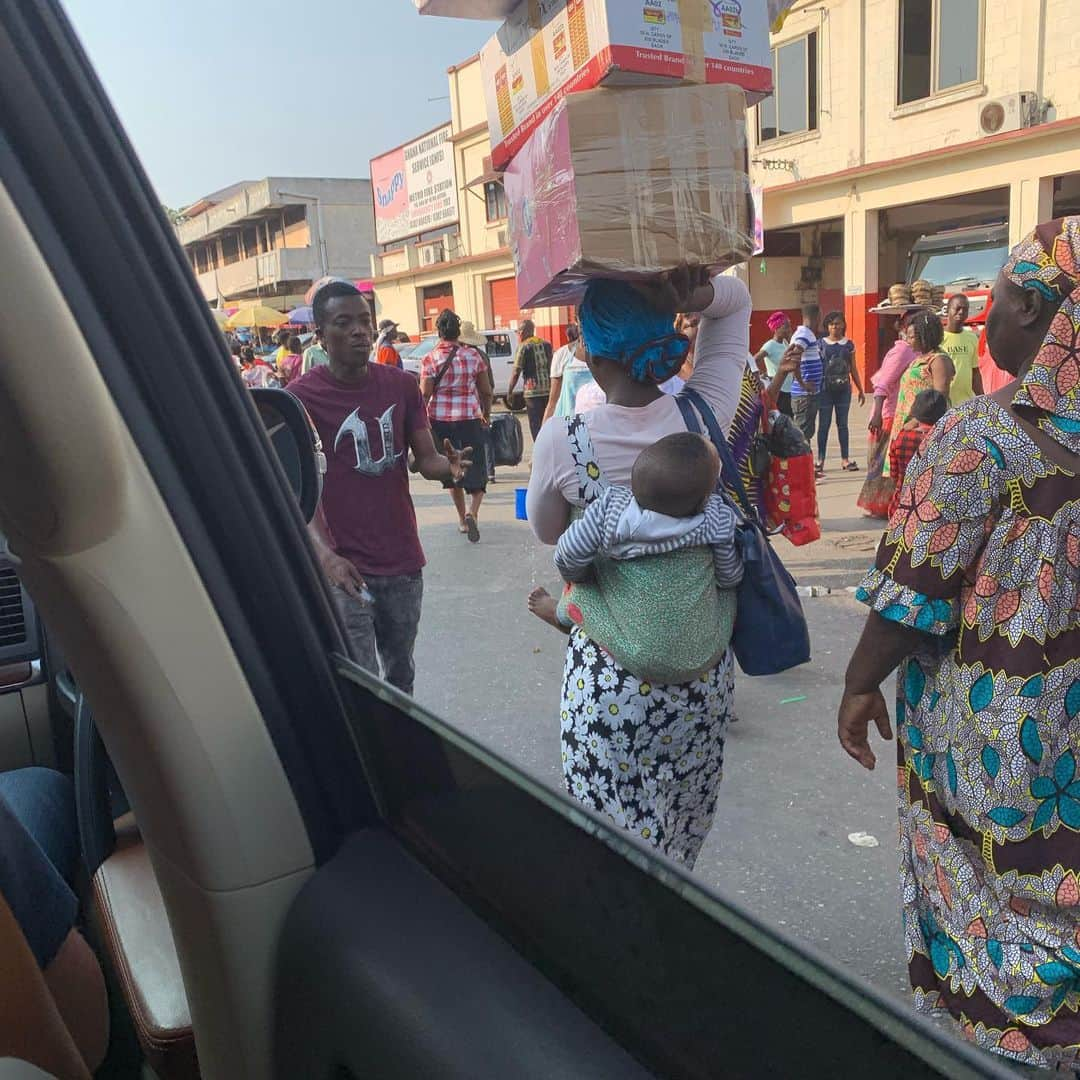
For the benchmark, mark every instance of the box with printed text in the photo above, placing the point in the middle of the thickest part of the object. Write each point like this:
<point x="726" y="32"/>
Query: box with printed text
<point x="549" y="48"/>
<point x="628" y="183"/>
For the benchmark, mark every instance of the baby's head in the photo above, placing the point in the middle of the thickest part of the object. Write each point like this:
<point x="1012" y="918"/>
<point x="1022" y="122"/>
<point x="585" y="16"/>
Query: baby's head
<point x="929" y="406"/>
<point x="676" y="475"/>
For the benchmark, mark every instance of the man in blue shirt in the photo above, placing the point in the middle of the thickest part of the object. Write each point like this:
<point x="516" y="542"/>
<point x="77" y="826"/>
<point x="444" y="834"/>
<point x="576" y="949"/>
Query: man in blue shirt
<point x="806" y="388"/>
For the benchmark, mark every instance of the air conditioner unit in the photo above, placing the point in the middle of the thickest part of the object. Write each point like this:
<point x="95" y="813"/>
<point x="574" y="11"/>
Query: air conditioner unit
<point x="1008" y="113"/>
<point x="430" y="254"/>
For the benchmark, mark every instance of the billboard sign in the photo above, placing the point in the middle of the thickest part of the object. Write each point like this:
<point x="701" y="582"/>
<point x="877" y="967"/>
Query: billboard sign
<point x="414" y="187"/>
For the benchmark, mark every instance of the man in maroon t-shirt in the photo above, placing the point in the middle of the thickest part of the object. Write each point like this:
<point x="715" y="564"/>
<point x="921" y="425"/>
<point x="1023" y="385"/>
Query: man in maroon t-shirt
<point x="369" y="416"/>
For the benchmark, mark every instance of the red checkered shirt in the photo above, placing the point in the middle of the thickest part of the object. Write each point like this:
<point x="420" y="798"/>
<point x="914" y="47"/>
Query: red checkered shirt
<point x="904" y="447"/>
<point x="456" y="397"/>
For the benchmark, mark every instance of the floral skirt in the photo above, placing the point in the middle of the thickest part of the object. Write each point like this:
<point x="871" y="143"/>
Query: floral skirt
<point x="650" y="757"/>
<point x="877" y="490"/>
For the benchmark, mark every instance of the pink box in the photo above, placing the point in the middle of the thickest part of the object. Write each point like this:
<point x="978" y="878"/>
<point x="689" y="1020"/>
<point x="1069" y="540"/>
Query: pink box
<point x="628" y="183"/>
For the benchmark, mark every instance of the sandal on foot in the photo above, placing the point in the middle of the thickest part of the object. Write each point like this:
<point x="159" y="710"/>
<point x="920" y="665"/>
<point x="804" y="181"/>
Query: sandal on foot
<point x="472" y="529"/>
<point x="851" y="466"/>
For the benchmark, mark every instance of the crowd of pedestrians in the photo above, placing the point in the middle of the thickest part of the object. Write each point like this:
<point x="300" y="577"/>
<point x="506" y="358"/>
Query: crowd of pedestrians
<point x="974" y="595"/>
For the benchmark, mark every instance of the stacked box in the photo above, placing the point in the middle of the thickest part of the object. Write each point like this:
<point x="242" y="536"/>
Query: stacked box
<point x="629" y="183"/>
<point x="549" y="48"/>
<point x="467" y="9"/>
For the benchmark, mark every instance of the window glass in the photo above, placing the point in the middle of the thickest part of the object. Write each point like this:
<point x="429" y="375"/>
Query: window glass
<point x="767" y="113"/>
<point x="791" y="76"/>
<point x="498" y="345"/>
<point x="495" y="199"/>
<point x="916" y="35"/>
<point x="793" y="105"/>
<point x="958" y="42"/>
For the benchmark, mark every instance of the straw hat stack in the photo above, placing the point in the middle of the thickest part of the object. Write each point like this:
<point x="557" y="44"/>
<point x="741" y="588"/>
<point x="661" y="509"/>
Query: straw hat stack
<point x="927" y="294"/>
<point x="899" y="294"/>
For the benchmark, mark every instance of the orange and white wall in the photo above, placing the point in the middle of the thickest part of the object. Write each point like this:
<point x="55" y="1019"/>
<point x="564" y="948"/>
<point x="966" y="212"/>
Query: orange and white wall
<point x="871" y="163"/>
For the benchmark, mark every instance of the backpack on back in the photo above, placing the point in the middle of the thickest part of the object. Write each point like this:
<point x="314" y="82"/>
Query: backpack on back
<point x="837" y="365"/>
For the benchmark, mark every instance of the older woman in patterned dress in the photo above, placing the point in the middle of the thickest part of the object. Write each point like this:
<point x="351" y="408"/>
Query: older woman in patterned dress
<point x="976" y="595"/>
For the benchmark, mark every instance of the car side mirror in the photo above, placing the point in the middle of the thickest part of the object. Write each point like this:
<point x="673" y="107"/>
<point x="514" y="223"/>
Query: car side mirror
<point x="296" y="443"/>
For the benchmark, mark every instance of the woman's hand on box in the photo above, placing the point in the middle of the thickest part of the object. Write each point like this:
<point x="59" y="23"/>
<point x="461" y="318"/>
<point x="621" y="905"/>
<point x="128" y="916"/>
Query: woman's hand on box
<point x="684" y="289"/>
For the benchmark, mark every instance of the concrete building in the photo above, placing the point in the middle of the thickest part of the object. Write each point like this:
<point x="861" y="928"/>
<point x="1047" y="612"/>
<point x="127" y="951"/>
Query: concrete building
<point x="467" y="266"/>
<point x="894" y="119"/>
<point x="270" y="239"/>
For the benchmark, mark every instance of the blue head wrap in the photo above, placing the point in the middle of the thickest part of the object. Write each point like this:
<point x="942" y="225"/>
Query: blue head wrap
<point x="618" y="324"/>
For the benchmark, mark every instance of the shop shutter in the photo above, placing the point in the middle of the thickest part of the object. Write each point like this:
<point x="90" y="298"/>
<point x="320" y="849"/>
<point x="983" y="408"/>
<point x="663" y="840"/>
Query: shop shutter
<point x="504" y="305"/>
<point x="434" y="298"/>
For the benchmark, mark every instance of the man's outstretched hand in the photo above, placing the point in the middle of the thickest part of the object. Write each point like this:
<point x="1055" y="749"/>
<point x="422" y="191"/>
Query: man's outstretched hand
<point x="460" y="460"/>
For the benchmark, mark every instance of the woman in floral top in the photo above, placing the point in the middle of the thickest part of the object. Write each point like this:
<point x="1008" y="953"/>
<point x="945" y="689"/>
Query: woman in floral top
<point x="976" y="595"/>
<point x="931" y="369"/>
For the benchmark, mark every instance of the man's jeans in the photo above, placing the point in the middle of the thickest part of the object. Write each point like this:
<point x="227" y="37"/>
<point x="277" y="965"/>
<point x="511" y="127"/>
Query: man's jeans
<point x="805" y="410"/>
<point x="386" y="629"/>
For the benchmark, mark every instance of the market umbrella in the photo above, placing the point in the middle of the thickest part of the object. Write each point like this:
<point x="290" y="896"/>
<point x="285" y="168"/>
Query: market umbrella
<point x="219" y="317"/>
<point x="257" y="315"/>
<point x="302" y="315"/>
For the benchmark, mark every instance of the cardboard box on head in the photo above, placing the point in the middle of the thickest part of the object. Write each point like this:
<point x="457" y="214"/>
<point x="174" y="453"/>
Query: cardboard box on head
<point x="628" y="183"/>
<point x="549" y="48"/>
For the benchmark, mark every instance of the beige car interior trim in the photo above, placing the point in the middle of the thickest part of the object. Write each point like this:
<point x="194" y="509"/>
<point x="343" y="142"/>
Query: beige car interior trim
<point x="103" y="560"/>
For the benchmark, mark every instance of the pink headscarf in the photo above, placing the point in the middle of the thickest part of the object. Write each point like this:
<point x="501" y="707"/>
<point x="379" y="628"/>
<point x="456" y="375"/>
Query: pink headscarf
<point x="775" y="321"/>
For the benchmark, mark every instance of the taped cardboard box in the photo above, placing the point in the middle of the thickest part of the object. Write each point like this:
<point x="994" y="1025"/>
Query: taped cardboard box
<point x="501" y="9"/>
<point x="549" y="48"/>
<point x="628" y="183"/>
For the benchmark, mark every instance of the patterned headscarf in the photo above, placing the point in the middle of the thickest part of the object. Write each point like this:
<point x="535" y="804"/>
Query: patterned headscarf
<point x="1048" y="261"/>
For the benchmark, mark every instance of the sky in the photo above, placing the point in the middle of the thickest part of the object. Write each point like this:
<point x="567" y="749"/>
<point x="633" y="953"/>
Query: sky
<point x="216" y="91"/>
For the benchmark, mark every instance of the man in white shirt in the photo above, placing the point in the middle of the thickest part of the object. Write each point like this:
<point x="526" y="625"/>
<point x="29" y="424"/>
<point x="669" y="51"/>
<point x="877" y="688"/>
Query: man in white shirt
<point x="806" y="389"/>
<point x="565" y="359"/>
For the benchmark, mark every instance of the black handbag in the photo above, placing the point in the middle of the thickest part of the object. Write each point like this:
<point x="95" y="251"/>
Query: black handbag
<point x="770" y="633"/>
<point x="507" y="439"/>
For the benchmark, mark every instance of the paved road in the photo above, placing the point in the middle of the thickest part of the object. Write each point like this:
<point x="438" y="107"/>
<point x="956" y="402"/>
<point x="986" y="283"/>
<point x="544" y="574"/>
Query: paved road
<point x="790" y="797"/>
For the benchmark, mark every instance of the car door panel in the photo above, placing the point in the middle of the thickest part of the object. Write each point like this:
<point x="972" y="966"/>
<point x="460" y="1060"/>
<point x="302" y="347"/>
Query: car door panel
<point x="384" y="972"/>
<point x="678" y="975"/>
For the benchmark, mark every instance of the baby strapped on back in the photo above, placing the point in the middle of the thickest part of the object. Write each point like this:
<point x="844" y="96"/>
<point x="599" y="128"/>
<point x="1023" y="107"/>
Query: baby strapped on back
<point x="651" y="570"/>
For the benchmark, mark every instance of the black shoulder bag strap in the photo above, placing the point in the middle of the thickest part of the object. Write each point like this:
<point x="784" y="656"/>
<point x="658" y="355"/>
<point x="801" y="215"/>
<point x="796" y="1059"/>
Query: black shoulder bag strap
<point x="442" y="371"/>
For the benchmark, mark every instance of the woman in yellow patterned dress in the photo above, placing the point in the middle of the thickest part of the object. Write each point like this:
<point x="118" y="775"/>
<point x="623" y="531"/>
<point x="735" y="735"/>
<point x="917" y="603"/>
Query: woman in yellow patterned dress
<point x="930" y="370"/>
<point x="976" y="595"/>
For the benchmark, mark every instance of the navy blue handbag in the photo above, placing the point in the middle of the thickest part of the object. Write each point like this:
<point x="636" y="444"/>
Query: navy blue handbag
<point x="770" y="632"/>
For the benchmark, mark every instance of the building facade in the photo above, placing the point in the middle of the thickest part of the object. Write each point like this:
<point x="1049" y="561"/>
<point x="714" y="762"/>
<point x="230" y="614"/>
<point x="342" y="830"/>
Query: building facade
<point x="468" y="266"/>
<point x="892" y="120"/>
<point x="900" y="119"/>
<point x="270" y="239"/>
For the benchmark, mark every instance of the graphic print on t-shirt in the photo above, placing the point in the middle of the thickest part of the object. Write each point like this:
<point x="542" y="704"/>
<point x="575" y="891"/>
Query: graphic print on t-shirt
<point x="355" y="426"/>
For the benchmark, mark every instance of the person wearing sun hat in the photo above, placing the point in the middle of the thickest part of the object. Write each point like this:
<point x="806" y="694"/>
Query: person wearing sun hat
<point x="976" y="596"/>
<point x="385" y="353"/>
